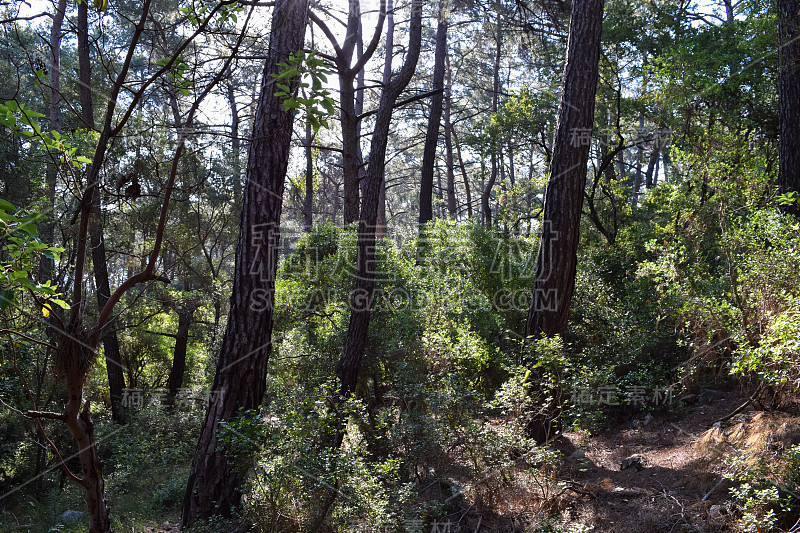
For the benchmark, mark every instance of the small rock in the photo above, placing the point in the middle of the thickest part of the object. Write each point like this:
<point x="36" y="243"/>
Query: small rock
<point x="647" y="419"/>
<point x="634" y="461"/>
<point x="67" y="517"/>
<point x="578" y="455"/>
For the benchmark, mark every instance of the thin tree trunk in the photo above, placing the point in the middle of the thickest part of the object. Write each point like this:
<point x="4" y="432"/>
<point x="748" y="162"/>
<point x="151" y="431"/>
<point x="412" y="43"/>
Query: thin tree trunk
<point x="452" y="205"/>
<point x="380" y="223"/>
<point x="214" y="486"/>
<point x="463" y="174"/>
<point x="348" y="117"/>
<point x="667" y="160"/>
<point x="361" y="298"/>
<point x="728" y="10"/>
<point x="308" y="202"/>
<point x="637" y="180"/>
<point x="116" y="377"/>
<point x="236" y="174"/>
<point x="47" y="268"/>
<point x="434" y="118"/>
<point x="789" y="100"/>
<point x="486" y="209"/>
<point x="652" y="163"/>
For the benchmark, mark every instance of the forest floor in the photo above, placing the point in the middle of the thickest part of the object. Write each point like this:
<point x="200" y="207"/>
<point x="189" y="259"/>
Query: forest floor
<point x="678" y="486"/>
<point x="676" y="483"/>
<point x="675" y="486"/>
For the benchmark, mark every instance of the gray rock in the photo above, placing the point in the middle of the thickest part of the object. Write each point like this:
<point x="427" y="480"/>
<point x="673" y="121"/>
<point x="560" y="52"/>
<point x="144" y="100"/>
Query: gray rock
<point x="67" y="517"/>
<point x="578" y="455"/>
<point x="634" y="461"/>
<point x="647" y="419"/>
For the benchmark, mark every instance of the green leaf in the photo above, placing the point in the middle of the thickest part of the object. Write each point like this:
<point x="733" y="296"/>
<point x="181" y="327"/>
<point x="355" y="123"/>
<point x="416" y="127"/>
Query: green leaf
<point x="7" y="299"/>
<point x="7" y="206"/>
<point x="28" y="228"/>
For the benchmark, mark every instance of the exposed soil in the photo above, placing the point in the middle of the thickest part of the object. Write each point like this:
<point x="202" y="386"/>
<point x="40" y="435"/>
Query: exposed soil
<point x="680" y="487"/>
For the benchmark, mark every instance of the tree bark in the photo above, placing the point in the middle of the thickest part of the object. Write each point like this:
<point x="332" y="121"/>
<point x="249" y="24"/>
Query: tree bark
<point x="467" y="190"/>
<point x="486" y="209"/>
<point x="557" y="256"/>
<point x="214" y="486"/>
<point x="380" y="229"/>
<point x="48" y="229"/>
<point x="236" y="173"/>
<point x="75" y="357"/>
<point x="434" y="118"/>
<point x="308" y="201"/>
<point x="114" y="369"/>
<point x="452" y="204"/>
<point x="348" y="117"/>
<point x="651" y="175"/>
<point x="175" y="379"/>
<point x="361" y="298"/>
<point x="789" y="100"/>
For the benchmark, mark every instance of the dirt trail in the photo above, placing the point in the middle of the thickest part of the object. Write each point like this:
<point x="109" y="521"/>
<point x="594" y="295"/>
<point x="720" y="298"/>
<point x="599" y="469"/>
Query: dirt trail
<point x="678" y="486"/>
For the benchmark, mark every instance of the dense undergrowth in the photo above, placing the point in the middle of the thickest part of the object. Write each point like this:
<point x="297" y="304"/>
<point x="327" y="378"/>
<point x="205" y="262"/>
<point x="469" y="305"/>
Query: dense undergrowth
<point x="690" y="294"/>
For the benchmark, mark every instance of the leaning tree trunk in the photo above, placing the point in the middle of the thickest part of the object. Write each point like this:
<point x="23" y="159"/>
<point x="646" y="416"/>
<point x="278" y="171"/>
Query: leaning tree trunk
<point x="789" y="100"/>
<point x="556" y="261"/>
<point x="557" y="257"/>
<point x="435" y="117"/>
<point x="214" y="486"/>
<point x="361" y="298"/>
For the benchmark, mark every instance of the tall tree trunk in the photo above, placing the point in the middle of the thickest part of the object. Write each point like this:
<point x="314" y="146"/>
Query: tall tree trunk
<point x="452" y="205"/>
<point x="556" y="260"/>
<point x="667" y="160"/>
<point x="236" y="171"/>
<point x="47" y="269"/>
<point x="434" y="118"/>
<point x="214" y="486"/>
<point x="789" y="100"/>
<point x="361" y="298"/>
<point x="380" y="229"/>
<point x="308" y="201"/>
<point x="486" y="210"/>
<point x="116" y="377"/>
<point x="348" y="117"/>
